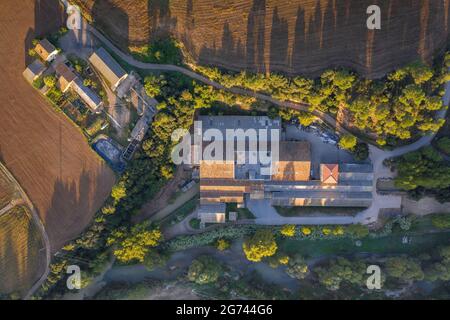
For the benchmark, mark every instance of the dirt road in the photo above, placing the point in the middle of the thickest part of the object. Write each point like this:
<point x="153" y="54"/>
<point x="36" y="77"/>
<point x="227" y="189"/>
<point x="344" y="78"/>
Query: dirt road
<point x="66" y="181"/>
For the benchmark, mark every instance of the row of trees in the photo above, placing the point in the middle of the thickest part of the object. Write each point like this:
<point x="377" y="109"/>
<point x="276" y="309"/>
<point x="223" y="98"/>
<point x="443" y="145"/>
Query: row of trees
<point x="394" y="107"/>
<point x="396" y="271"/>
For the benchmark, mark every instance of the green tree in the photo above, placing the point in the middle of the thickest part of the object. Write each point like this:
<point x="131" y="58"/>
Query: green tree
<point x="357" y="231"/>
<point x="306" y="118"/>
<point x="404" y="268"/>
<point x="297" y="268"/>
<point x="204" y="270"/>
<point x="347" y="142"/>
<point x="420" y="72"/>
<point x="444" y="144"/>
<point x="361" y="151"/>
<point x="222" y="245"/>
<point x="262" y="244"/>
<point x="441" y="221"/>
<point x="288" y="230"/>
<point x="133" y="245"/>
<point x="340" y="270"/>
<point x="50" y="81"/>
<point x="155" y="259"/>
<point x="118" y="191"/>
<point x="153" y="85"/>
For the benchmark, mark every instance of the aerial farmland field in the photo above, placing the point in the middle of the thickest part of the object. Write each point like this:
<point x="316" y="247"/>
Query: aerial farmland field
<point x="66" y="181"/>
<point x="22" y="254"/>
<point x="7" y="191"/>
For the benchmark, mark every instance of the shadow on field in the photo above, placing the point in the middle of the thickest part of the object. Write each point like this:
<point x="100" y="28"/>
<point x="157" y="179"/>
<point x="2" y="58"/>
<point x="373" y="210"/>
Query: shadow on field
<point x="48" y="17"/>
<point x="74" y="204"/>
<point x="117" y="23"/>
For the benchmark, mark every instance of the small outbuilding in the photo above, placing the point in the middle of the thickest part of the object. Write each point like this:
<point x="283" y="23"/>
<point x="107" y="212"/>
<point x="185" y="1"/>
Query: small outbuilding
<point x="34" y="71"/>
<point x="212" y="213"/>
<point x="69" y="80"/>
<point x="46" y="50"/>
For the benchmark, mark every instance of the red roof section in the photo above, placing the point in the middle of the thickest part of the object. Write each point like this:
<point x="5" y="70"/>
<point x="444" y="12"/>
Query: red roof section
<point x="329" y="173"/>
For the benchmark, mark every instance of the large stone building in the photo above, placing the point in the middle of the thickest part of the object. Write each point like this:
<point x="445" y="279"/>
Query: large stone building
<point x="288" y="182"/>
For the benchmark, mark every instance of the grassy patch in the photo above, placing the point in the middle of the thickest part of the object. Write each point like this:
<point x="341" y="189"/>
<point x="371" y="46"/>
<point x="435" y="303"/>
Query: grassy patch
<point x="179" y="214"/>
<point x="391" y="244"/>
<point x="195" y="223"/>
<point x="164" y="51"/>
<point x="311" y="211"/>
<point x="243" y="213"/>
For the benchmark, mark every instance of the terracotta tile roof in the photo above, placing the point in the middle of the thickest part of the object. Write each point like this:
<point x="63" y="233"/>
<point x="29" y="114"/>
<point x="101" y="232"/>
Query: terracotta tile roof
<point x="216" y="169"/>
<point x="66" y="76"/>
<point x="329" y="173"/>
<point x="44" y="48"/>
<point x="292" y="171"/>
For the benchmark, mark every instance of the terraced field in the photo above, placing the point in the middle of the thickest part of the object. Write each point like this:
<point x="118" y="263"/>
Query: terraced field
<point x="22" y="254"/>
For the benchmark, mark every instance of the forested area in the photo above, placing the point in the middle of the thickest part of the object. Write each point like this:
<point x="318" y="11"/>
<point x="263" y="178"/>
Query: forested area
<point x="423" y="172"/>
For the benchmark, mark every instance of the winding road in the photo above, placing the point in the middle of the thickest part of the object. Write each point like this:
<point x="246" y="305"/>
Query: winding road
<point x="26" y="200"/>
<point x="376" y="155"/>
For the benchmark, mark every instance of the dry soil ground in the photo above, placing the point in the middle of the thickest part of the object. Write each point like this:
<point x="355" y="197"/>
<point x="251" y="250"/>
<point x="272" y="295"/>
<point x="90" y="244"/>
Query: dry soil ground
<point x="22" y="252"/>
<point x="294" y="36"/>
<point x="65" y="179"/>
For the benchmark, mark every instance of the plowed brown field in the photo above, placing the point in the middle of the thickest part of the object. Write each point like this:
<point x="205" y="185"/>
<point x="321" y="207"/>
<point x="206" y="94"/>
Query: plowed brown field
<point x="293" y="36"/>
<point x="49" y="157"/>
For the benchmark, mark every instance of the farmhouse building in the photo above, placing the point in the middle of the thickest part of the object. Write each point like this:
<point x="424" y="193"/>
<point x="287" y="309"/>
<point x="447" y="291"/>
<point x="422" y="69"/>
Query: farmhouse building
<point x="108" y="68"/>
<point x="69" y="80"/>
<point x="289" y="181"/>
<point x="34" y="71"/>
<point x="46" y="50"/>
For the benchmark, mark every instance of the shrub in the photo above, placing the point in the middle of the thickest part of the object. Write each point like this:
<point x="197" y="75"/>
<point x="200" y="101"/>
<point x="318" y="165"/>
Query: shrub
<point x="441" y="221"/>
<point x="444" y="144"/>
<point x="357" y="231"/>
<point x="338" y="231"/>
<point x="204" y="270"/>
<point x="38" y="83"/>
<point x="347" y="142"/>
<point x="361" y="151"/>
<point x="288" y="230"/>
<point x="297" y="269"/>
<point x="222" y="245"/>
<point x="306" y="231"/>
<point x="284" y="259"/>
<point x="50" y="81"/>
<point x="261" y="244"/>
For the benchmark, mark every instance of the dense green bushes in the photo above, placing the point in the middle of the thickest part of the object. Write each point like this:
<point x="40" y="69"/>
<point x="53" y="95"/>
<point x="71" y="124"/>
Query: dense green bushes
<point x="423" y="171"/>
<point x="393" y="107"/>
<point x="441" y="221"/>
<point x="165" y="51"/>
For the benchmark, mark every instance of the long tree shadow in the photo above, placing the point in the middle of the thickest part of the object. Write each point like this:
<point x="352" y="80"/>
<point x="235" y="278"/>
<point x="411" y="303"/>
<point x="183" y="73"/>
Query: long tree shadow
<point x="279" y="42"/>
<point x="49" y="15"/>
<point x="74" y="204"/>
<point x="111" y="19"/>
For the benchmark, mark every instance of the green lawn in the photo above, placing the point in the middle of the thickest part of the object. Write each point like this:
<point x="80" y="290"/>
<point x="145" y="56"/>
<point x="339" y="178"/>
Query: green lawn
<point x="179" y="214"/>
<point x="391" y="244"/>
<point x="243" y="213"/>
